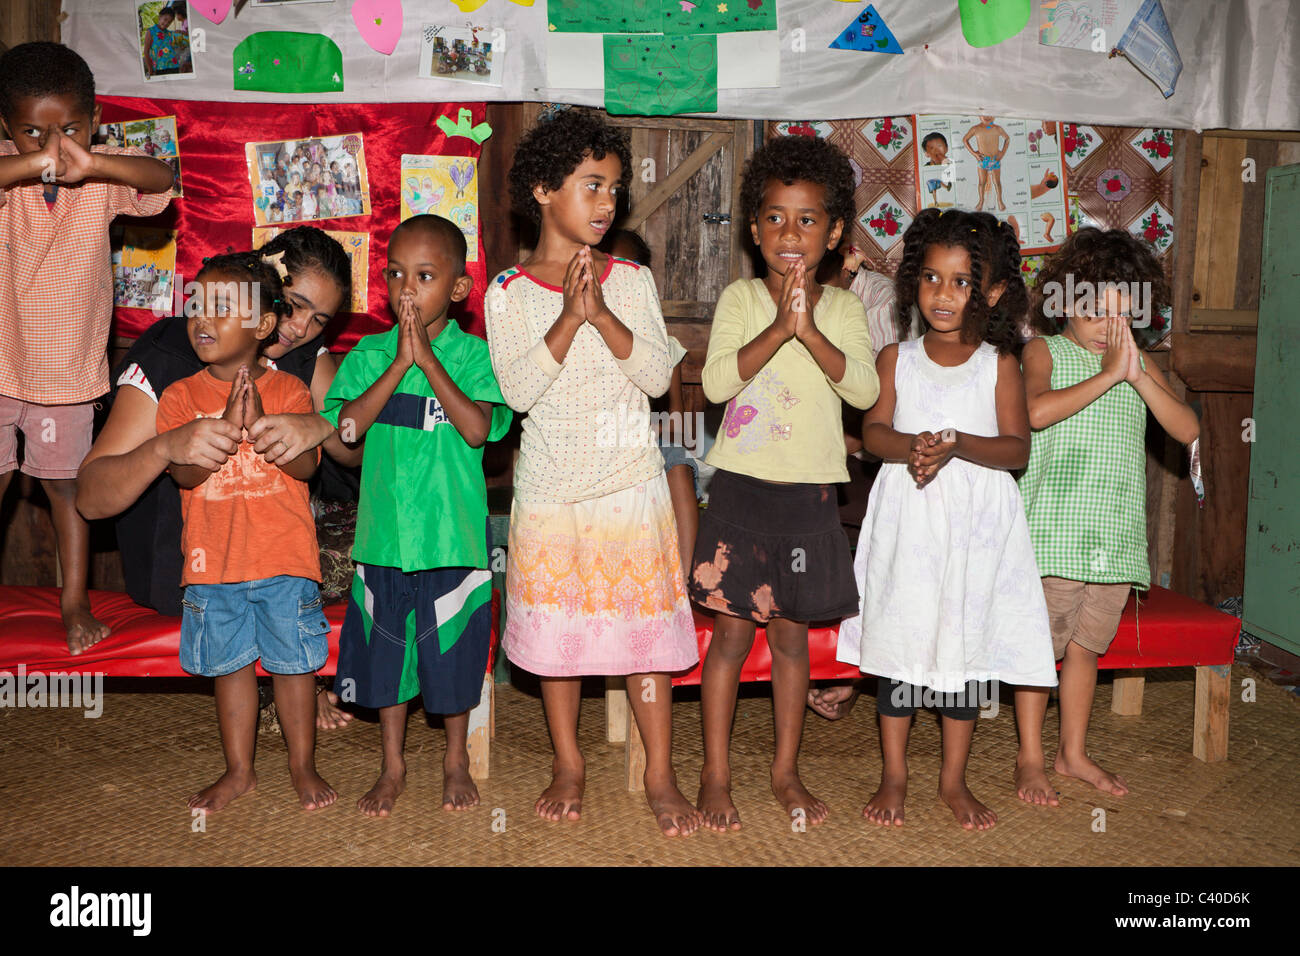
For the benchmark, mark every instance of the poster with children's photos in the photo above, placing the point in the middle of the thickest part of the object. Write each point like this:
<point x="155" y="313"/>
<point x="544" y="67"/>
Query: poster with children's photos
<point x="461" y="53"/>
<point x="308" y="180"/>
<point x="444" y="186"/>
<point x="1011" y="168"/>
<point x="144" y="267"/>
<point x="154" y="137"/>
<point x="164" y="32"/>
<point x="357" y="247"/>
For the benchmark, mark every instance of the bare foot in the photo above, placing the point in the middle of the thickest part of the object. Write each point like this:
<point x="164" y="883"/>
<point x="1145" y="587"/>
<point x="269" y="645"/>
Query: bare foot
<point x="328" y="714"/>
<point x="562" y="800"/>
<point x="228" y="786"/>
<point x="1086" y="769"/>
<point x="83" y="628"/>
<point x="673" y="813"/>
<point x="714" y="800"/>
<point x="833" y="702"/>
<point x="970" y="813"/>
<point x="793" y="795"/>
<point x="458" y="790"/>
<point x="1032" y="785"/>
<point x="379" y="799"/>
<point x="886" y="805"/>
<point x="313" y="792"/>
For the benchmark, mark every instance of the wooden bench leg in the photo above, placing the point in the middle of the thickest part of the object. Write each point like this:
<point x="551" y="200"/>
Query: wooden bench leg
<point x="1127" y="697"/>
<point x="635" y="754"/>
<point x="1210" y="722"/>
<point x="616" y="709"/>
<point x="480" y="731"/>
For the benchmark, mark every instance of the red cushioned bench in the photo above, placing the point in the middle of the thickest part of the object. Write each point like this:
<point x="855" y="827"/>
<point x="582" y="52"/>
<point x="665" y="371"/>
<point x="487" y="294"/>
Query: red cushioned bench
<point x="144" y="643"/>
<point x="1166" y="630"/>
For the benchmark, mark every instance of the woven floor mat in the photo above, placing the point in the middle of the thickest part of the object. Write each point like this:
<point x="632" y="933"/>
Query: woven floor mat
<point x="112" y="791"/>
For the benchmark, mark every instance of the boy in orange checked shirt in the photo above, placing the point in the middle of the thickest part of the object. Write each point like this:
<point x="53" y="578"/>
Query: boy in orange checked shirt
<point x="56" y="285"/>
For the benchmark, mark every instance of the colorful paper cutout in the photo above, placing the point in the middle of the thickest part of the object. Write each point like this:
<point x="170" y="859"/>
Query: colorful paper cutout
<point x="214" y="10"/>
<point x="379" y="22"/>
<point x="444" y="186"/>
<point x="718" y="16"/>
<point x="604" y="16"/>
<point x="280" y="61"/>
<point x="462" y="127"/>
<point x="661" y="75"/>
<point x="357" y="247"/>
<point x="867" y="33"/>
<point x="989" y="22"/>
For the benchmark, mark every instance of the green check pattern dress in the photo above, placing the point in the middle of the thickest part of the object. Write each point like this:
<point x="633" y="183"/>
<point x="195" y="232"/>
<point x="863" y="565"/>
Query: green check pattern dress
<point x="1085" y="486"/>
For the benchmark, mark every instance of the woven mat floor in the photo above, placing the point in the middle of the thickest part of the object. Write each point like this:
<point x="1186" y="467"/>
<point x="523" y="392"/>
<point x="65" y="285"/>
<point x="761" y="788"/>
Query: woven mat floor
<point x="111" y="791"/>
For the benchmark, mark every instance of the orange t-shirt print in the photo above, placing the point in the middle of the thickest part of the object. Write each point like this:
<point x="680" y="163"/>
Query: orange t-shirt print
<point x="249" y="520"/>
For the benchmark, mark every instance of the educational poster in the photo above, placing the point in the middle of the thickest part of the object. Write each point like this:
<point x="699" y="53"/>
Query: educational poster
<point x="156" y="136"/>
<point x="460" y="53"/>
<point x="1011" y="168"/>
<point x="661" y="75"/>
<point x="1095" y="25"/>
<point x="709" y="16"/>
<point x="164" y="42"/>
<point x="355" y="244"/>
<point x="444" y="186"/>
<point x="307" y="180"/>
<point x="144" y="268"/>
<point x="604" y="16"/>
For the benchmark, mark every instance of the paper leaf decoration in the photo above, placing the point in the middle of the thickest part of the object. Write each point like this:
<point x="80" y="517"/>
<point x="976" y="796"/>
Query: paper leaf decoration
<point x="379" y="22"/>
<point x="277" y="61"/>
<point x="988" y="22"/>
<point x="867" y="33"/>
<point x="463" y="126"/>
<point x="214" y="10"/>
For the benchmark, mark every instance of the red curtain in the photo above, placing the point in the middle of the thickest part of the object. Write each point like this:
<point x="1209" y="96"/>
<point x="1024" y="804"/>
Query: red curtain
<point x="216" y="211"/>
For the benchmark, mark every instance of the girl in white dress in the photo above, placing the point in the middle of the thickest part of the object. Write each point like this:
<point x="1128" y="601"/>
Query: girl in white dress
<point x="951" y="600"/>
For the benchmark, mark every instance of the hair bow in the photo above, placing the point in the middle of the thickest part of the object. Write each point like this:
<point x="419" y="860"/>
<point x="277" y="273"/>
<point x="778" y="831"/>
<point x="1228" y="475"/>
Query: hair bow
<point x="277" y="262"/>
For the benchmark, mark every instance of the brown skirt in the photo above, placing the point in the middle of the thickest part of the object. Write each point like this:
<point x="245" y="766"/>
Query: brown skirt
<point x="768" y="550"/>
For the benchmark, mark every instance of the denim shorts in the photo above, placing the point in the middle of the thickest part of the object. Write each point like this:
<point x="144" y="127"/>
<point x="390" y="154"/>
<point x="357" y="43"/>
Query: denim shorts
<point x="675" y="455"/>
<point x="225" y="627"/>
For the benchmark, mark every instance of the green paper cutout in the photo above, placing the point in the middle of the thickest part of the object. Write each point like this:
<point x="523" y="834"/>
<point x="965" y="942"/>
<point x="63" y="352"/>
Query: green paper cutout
<point x="717" y="16"/>
<point x="988" y="22"/>
<point x="604" y="16"/>
<point x="279" y="61"/>
<point x="653" y="75"/>
<point x="463" y="127"/>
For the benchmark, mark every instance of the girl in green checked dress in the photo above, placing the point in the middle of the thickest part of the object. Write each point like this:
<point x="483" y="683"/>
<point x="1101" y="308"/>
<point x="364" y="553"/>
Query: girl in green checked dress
<point x="1088" y="391"/>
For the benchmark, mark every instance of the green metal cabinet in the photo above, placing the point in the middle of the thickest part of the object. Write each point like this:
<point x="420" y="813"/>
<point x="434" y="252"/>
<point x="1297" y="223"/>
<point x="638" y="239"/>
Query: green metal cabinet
<point x="1272" y="599"/>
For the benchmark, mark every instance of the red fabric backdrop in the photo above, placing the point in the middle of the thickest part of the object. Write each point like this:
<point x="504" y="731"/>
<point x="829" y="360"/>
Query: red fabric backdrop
<point x="216" y="211"/>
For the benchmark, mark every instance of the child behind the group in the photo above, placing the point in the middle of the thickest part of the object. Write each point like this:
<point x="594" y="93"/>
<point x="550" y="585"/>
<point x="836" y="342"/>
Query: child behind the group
<point x="783" y="352"/>
<point x="252" y="567"/>
<point x="950" y="596"/>
<point x="593" y="580"/>
<point x="1085" y="488"/>
<point x="56" y="286"/>
<point x="419" y="617"/>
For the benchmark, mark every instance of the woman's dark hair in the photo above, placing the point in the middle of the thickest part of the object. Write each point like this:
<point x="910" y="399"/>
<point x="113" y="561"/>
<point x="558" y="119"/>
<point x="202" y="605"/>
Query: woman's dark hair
<point x="641" y="254"/>
<point x="253" y="268"/>
<point x="550" y="152"/>
<point x="306" y="248"/>
<point x="44" y="69"/>
<point x="788" y="159"/>
<point x="994" y="257"/>
<point x="1095" y="256"/>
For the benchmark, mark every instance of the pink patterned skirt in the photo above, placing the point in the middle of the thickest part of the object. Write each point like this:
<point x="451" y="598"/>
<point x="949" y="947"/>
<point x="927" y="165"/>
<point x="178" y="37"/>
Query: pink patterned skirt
<point x="595" y="587"/>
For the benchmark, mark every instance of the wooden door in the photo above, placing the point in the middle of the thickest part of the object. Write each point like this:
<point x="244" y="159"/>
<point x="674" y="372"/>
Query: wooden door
<point x="1272" y="598"/>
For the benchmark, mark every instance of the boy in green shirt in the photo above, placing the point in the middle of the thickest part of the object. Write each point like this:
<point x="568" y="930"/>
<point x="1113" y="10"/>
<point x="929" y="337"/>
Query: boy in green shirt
<point x="419" y="616"/>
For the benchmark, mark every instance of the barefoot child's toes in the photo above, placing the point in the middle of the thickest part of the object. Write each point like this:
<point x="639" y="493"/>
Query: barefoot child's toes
<point x="717" y="811"/>
<point x="1086" y="769"/>
<point x="228" y="786"/>
<point x="562" y="800"/>
<point x="1032" y="786"/>
<point x="83" y="629"/>
<point x="970" y="813"/>
<point x="458" y="789"/>
<point x="329" y="716"/>
<point x="673" y="812"/>
<point x="313" y="792"/>
<point x="885" y="808"/>
<point x="794" y="796"/>
<point x="380" y="799"/>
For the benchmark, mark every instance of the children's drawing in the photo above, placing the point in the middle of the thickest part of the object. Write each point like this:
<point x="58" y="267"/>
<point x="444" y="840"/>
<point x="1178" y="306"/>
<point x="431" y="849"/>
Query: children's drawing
<point x="444" y="186"/>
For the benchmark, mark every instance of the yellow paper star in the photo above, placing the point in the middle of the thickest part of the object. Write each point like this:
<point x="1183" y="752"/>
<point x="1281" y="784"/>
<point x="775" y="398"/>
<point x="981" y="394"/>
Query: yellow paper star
<point x="551" y="26"/>
<point x="722" y="8"/>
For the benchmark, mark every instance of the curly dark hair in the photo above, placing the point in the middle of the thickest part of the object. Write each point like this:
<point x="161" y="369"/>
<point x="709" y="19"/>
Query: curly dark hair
<point x="1097" y="257"/>
<point x="550" y="152"/>
<point x="308" y="248"/>
<point x="250" y="267"/>
<point x="994" y="257"/>
<point x="792" y="158"/>
<point x="44" y="69"/>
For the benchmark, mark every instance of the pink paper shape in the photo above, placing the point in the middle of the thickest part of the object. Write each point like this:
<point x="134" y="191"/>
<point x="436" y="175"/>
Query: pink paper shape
<point x="379" y="22"/>
<point x="214" y="10"/>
